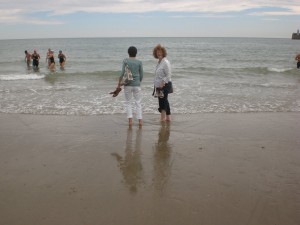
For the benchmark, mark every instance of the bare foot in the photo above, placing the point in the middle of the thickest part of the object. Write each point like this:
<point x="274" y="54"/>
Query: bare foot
<point x="130" y="122"/>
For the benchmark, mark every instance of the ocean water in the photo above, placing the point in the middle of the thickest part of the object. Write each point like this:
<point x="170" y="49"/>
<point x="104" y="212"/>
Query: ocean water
<point x="230" y="75"/>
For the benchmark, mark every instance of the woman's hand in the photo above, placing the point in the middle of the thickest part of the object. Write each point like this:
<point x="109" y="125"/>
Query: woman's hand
<point x="162" y="84"/>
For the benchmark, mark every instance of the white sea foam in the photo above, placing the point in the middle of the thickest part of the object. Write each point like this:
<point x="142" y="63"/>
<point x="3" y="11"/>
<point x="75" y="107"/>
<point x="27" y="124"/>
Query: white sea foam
<point x="279" y="70"/>
<point x="12" y="77"/>
<point x="250" y="75"/>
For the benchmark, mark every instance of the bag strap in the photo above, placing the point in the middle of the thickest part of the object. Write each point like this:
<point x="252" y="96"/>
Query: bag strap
<point x="126" y="65"/>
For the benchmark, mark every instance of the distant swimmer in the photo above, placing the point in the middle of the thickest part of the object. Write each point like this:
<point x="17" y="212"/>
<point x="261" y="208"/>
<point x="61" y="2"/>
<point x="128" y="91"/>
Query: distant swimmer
<point x="62" y="59"/>
<point x="51" y="61"/>
<point x="27" y="58"/>
<point x="298" y="59"/>
<point x="35" y="59"/>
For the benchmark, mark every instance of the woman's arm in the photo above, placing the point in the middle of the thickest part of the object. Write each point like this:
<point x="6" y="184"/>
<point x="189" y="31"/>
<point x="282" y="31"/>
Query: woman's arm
<point x="141" y="72"/>
<point x="167" y="71"/>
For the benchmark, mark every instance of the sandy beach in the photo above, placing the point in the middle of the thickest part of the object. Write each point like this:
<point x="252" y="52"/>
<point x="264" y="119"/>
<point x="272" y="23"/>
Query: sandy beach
<point x="210" y="169"/>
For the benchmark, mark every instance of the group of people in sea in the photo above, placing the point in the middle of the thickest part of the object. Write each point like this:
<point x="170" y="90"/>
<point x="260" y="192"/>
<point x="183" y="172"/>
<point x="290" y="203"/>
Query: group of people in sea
<point x="132" y="76"/>
<point x="132" y="68"/>
<point x="35" y="57"/>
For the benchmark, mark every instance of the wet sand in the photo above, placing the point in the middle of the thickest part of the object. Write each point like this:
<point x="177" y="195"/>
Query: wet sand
<point x="210" y="169"/>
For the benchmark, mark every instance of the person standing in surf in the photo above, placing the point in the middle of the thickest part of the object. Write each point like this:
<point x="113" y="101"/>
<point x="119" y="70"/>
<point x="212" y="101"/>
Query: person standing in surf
<point x="298" y="59"/>
<point x="48" y="56"/>
<point x="162" y="81"/>
<point x="62" y="59"/>
<point x="51" y="61"/>
<point x="35" y="59"/>
<point x="27" y="58"/>
<point x="133" y="87"/>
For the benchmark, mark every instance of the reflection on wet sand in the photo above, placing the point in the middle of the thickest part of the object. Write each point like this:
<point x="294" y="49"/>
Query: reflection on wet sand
<point x="162" y="158"/>
<point x="130" y="165"/>
<point x="73" y="179"/>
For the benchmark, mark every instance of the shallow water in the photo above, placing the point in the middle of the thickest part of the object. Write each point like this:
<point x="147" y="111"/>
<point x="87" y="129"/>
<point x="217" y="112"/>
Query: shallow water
<point x="209" y="75"/>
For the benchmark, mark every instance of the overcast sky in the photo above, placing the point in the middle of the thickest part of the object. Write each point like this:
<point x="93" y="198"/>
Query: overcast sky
<point x="148" y="18"/>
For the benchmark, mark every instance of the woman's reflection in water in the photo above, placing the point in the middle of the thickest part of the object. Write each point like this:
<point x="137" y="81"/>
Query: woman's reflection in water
<point x="162" y="158"/>
<point x="130" y="165"/>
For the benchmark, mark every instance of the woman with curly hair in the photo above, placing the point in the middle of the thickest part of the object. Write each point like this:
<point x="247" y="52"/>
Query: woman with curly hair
<point x="162" y="82"/>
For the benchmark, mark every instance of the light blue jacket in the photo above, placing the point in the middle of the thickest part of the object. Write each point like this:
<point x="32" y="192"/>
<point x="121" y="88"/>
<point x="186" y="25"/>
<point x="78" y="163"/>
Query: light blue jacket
<point x="136" y="68"/>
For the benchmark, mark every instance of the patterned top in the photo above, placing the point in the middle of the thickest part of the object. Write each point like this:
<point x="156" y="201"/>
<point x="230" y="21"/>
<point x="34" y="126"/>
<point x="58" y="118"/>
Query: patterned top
<point x="162" y="72"/>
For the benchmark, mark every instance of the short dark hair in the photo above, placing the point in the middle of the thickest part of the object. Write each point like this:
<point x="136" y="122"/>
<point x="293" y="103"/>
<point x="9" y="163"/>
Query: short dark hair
<point x="132" y="51"/>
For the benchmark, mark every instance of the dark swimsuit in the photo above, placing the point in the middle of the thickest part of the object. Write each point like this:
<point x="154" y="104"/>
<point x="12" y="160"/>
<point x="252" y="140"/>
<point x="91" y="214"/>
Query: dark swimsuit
<point x="61" y="59"/>
<point x="35" y="60"/>
<point x="52" y="60"/>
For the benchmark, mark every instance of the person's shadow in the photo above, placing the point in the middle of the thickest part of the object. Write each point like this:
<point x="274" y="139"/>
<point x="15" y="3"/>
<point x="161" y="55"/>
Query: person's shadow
<point x="162" y="164"/>
<point x="130" y="165"/>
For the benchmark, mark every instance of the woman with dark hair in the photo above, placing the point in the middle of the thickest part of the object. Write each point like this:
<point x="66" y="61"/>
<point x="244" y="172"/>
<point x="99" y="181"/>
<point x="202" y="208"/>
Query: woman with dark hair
<point x="132" y="88"/>
<point x="162" y="82"/>
<point x="62" y="59"/>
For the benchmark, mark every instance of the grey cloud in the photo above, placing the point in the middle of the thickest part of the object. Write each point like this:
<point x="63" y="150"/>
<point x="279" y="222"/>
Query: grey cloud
<point x="62" y="7"/>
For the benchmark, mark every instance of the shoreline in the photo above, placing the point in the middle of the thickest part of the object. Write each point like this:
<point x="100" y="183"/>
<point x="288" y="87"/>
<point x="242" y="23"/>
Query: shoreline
<point x="205" y="168"/>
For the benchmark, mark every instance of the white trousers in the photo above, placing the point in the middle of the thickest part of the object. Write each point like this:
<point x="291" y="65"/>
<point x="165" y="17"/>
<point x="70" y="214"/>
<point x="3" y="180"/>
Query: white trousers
<point x="130" y="91"/>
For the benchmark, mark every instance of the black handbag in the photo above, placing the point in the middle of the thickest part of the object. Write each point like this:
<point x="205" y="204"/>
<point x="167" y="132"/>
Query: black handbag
<point x="171" y="87"/>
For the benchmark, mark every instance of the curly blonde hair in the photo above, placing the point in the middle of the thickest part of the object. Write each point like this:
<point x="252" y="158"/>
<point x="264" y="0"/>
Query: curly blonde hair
<point x="157" y="48"/>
